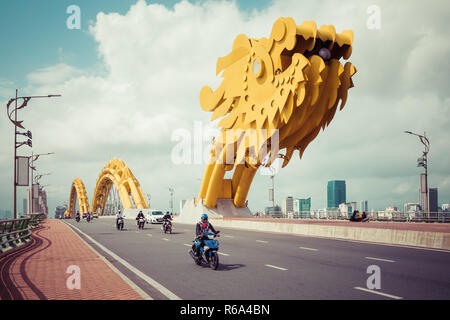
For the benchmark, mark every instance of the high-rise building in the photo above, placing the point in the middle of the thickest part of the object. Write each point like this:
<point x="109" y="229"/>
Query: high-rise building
<point x="433" y="201"/>
<point x="302" y="205"/>
<point x="336" y="193"/>
<point x="364" y="206"/>
<point x="273" y="211"/>
<point x="288" y="205"/>
<point x="346" y="209"/>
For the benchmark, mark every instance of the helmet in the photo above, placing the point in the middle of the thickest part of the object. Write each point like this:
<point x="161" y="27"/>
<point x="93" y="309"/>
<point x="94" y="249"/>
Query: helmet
<point x="204" y="216"/>
<point x="119" y="210"/>
<point x="140" y="211"/>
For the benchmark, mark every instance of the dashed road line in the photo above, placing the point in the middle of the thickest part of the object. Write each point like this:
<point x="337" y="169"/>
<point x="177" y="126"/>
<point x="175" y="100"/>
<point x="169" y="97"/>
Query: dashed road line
<point x="310" y="249"/>
<point x="150" y="235"/>
<point x="275" y="267"/>
<point x="223" y="254"/>
<point x="229" y="236"/>
<point x="165" y="239"/>
<point x="379" y="293"/>
<point x="379" y="259"/>
<point x="262" y="241"/>
<point x="187" y="245"/>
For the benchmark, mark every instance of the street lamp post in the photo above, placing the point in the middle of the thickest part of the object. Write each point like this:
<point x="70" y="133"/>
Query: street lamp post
<point x="171" y="199"/>
<point x="423" y="162"/>
<point x="19" y="124"/>
<point x="34" y="158"/>
<point x="39" y="176"/>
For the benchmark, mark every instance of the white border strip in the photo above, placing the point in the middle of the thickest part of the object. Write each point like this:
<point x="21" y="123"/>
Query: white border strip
<point x="275" y="267"/>
<point x="169" y="294"/>
<point x="310" y="249"/>
<point x="379" y="293"/>
<point x="379" y="259"/>
<point x="134" y="286"/>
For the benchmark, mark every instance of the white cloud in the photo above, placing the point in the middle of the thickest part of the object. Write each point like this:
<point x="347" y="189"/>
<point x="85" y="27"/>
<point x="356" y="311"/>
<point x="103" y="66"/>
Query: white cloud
<point x="157" y="60"/>
<point x="53" y="75"/>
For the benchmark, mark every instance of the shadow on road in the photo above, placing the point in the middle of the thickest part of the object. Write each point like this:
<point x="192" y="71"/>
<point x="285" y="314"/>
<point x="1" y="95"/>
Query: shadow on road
<point x="173" y="233"/>
<point x="228" y="267"/>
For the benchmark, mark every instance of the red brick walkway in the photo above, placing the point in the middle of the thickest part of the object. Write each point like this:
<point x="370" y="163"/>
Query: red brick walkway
<point x="41" y="273"/>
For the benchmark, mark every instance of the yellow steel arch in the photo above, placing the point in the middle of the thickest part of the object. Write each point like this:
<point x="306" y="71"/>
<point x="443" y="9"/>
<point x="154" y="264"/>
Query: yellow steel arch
<point x="78" y="191"/>
<point x="117" y="173"/>
<point x="288" y="85"/>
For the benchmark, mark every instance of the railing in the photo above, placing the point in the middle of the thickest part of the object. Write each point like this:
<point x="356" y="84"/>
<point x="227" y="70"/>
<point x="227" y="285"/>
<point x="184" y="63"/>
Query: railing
<point x="16" y="231"/>
<point x="435" y="217"/>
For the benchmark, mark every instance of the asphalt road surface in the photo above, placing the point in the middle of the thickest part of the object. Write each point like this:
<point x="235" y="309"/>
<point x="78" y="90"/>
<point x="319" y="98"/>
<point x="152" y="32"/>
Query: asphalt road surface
<point x="267" y="266"/>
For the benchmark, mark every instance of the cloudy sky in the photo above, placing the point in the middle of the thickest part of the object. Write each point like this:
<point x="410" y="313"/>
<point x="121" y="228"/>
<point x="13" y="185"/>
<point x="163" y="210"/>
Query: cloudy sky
<point x="131" y="77"/>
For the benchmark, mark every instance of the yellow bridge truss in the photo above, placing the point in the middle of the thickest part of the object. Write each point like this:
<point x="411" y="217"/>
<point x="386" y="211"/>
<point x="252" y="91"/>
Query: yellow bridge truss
<point x="116" y="173"/>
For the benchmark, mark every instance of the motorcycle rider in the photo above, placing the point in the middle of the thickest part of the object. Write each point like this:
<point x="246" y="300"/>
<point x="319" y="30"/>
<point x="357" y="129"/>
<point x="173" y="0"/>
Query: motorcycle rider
<point x="167" y="217"/>
<point x="201" y="229"/>
<point x="77" y="216"/>
<point x="140" y="215"/>
<point x="118" y="216"/>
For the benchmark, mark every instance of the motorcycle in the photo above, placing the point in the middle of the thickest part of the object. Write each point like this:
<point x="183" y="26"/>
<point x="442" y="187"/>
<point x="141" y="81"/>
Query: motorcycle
<point x="167" y="226"/>
<point x="120" y="223"/>
<point x="88" y="218"/>
<point x="141" y="223"/>
<point x="208" y="253"/>
<point x="77" y="218"/>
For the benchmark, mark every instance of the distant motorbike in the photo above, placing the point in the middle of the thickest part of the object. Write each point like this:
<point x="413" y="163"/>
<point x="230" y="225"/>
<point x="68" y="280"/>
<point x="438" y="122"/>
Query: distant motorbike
<point x="141" y="223"/>
<point x="88" y="218"/>
<point x="77" y="218"/>
<point x="120" y="223"/>
<point x="167" y="226"/>
<point x="209" y="251"/>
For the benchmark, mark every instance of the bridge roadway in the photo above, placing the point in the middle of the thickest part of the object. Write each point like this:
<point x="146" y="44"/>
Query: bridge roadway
<point x="261" y="265"/>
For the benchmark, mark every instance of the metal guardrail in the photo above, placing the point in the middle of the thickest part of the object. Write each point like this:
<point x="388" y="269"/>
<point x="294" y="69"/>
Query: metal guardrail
<point x="16" y="231"/>
<point x="441" y="217"/>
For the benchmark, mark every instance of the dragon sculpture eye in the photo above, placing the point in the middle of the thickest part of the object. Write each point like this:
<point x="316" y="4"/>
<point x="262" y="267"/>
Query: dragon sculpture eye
<point x="325" y="54"/>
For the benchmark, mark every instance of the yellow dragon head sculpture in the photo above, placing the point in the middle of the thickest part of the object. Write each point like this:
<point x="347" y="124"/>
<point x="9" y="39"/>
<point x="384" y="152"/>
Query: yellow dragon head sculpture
<point x="291" y="82"/>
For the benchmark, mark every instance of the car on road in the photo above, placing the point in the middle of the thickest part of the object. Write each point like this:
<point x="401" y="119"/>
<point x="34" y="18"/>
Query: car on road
<point x="155" y="216"/>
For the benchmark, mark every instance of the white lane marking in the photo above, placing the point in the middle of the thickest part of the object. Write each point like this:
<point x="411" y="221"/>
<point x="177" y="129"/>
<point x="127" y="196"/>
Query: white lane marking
<point x="229" y="236"/>
<point x="379" y="293"/>
<point x="165" y="239"/>
<point x="150" y="235"/>
<point x="262" y="241"/>
<point x="136" y="288"/>
<point x="379" y="259"/>
<point x="169" y="294"/>
<point x="223" y="254"/>
<point x="275" y="267"/>
<point x="310" y="249"/>
<point x="187" y="245"/>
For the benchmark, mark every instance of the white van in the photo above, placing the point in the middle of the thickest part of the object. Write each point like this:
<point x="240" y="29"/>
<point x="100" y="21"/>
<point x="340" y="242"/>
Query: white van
<point x="155" y="216"/>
